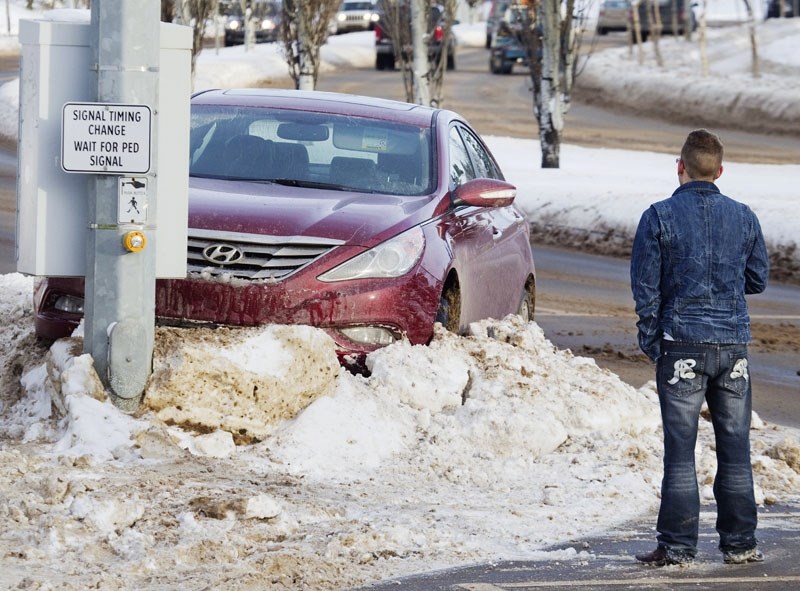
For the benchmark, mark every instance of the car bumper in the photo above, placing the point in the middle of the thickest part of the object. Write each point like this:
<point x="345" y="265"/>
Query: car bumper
<point x="237" y="37"/>
<point x="405" y="307"/>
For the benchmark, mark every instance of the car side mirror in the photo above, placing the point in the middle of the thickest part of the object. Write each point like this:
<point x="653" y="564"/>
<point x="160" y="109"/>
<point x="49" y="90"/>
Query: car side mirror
<point x="484" y="193"/>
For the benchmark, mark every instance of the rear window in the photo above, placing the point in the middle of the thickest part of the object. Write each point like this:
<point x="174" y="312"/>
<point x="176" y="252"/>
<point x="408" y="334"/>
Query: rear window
<point x="310" y="149"/>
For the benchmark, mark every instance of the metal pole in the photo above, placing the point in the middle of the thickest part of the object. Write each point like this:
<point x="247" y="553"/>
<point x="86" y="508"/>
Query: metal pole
<point x="120" y="283"/>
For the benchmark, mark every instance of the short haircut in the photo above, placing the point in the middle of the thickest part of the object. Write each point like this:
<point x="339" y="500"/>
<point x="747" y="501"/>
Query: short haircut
<point x="702" y="154"/>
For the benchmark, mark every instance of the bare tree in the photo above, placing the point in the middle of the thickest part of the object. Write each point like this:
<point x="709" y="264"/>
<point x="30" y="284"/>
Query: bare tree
<point x="656" y="27"/>
<point x="304" y="29"/>
<point x="702" y="42"/>
<point x="751" y="25"/>
<point x="674" y="17"/>
<point x="551" y="32"/>
<point x="412" y="26"/>
<point x="637" y="29"/>
<point x="193" y="13"/>
<point x="420" y="62"/>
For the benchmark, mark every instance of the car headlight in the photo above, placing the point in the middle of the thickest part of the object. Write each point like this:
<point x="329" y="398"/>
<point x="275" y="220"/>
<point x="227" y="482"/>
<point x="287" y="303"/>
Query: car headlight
<point x="392" y="258"/>
<point x="341" y="17"/>
<point x="369" y="335"/>
<point x="233" y="25"/>
<point x="68" y="303"/>
<point x="267" y="25"/>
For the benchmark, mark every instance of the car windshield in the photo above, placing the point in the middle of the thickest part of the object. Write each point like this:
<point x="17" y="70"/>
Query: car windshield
<point x="259" y="10"/>
<point x="310" y="149"/>
<point x="357" y="6"/>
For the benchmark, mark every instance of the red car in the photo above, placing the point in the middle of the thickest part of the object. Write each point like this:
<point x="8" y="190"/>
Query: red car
<point x="370" y="219"/>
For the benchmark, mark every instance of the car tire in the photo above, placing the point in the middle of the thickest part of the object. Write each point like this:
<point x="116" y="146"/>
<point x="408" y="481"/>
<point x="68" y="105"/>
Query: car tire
<point x="384" y="62"/>
<point x="451" y="61"/>
<point x="500" y="66"/>
<point x="527" y="305"/>
<point x="449" y="312"/>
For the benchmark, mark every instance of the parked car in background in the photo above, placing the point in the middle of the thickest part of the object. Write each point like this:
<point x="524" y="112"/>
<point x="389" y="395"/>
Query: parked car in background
<point x="356" y="15"/>
<point x="781" y="8"/>
<point x="614" y="15"/>
<point x="265" y="18"/>
<point x="507" y="48"/>
<point x="370" y="219"/>
<point x="384" y="44"/>
<point x="669" y="26"/>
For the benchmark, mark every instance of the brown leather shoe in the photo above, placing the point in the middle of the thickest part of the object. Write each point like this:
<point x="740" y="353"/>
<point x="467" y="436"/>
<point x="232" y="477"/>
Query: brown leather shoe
<point x="662" y="557"/>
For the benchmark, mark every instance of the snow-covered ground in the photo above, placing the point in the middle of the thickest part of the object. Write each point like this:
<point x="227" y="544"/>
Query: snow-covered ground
<point x="479" y="448"/>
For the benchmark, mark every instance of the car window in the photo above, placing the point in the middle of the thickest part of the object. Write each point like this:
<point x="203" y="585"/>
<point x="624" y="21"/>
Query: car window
<point x="485" y="166"/>
<point x="461" y="169"/>
<point x="308" y="149"/>
<point x="357" y="6"/>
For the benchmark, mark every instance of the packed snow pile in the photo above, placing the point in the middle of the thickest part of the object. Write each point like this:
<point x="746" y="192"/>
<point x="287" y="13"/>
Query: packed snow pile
<point x="762" y="100"/>
<point x="241" y="380"/>
<point x="490" y="446"/>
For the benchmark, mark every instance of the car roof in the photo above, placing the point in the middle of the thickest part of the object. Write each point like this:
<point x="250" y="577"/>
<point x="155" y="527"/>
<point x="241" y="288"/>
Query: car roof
<point x="327" y="102"/>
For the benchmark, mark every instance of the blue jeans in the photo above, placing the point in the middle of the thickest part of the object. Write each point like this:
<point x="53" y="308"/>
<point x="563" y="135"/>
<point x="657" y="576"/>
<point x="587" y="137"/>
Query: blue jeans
<point x="686" y="374"/>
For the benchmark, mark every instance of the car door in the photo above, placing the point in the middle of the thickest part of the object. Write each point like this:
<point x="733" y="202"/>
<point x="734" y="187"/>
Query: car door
<point x="486" y="240"/>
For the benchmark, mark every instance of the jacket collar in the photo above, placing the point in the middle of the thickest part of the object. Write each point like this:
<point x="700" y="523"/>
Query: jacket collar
<point x="697" y="186"/>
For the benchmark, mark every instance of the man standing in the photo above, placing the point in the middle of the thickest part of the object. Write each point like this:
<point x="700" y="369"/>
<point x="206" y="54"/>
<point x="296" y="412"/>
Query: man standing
<point x="695" y="256"/>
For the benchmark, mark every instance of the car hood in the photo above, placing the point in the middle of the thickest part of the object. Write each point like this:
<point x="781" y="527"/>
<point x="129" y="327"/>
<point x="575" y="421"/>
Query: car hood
<point x="274" y="210"/>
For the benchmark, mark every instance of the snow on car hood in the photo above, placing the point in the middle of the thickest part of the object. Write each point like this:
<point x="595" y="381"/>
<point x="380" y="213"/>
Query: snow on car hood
<point x="276" y="210"/>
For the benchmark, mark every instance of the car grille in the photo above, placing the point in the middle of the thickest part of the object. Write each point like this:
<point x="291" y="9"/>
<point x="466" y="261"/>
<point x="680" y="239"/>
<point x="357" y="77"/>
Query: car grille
<point x="252" y="256"/>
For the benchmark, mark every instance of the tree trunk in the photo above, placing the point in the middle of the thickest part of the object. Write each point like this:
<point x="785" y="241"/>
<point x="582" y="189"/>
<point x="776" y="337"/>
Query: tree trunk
<point x="703" y="42"/>
<point x="751" y="25"/>
<point x="420" y="63"/>
<point x="654" y="14"/>
<point x="304" y="28"/>
<point x="305" y="79"/>
<point x="437" y="67"/>
<point x="549" y="103"/>
<point x="637" y="28"/>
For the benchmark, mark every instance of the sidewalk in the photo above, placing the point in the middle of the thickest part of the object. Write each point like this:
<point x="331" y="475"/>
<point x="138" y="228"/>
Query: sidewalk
<point x="606" y="563"/>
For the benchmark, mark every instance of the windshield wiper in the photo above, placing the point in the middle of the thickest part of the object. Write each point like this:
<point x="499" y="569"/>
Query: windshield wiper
<point x="309" y="184"/>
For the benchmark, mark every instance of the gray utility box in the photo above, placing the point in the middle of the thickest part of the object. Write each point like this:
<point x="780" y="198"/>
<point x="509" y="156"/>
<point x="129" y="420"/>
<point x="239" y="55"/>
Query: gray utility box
<point x="52" y="204"/>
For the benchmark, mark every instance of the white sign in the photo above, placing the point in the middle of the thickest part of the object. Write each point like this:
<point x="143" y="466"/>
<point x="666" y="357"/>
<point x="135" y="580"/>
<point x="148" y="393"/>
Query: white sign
<point x="132" y="203"/>
<point x="105" y="138"/>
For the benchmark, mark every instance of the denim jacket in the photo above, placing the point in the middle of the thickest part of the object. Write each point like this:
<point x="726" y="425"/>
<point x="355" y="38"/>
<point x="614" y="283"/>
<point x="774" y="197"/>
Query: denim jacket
<point x="695" y="256"/>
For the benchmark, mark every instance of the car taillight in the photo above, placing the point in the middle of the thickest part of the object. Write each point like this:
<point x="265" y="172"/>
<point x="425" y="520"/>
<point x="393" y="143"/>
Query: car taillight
<point x="438" y="33"/>
<point x="378" y="33"/>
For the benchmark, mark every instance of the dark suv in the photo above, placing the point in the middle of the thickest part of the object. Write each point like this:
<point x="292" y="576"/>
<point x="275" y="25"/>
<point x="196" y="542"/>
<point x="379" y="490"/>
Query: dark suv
<point x="384" y="44"/>
<point x="665" y="11"/>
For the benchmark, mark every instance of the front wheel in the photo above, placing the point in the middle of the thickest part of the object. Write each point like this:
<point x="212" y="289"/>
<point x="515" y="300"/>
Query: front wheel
<point x="384" y="62"/>
<point x="449" y="312"/>
<point x="528" y="304"/>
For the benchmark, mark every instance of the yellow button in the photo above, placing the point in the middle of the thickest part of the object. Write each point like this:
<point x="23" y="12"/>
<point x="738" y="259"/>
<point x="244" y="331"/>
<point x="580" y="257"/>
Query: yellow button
<point x="134" y="241"/>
